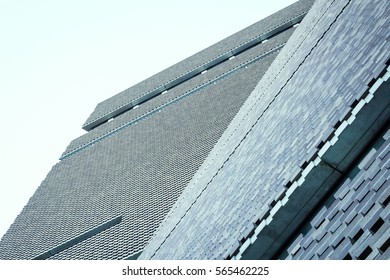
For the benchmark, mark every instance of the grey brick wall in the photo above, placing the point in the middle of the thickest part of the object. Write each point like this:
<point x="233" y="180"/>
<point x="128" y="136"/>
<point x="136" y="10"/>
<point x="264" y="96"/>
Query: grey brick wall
<point x="220" y="164"/>
<point x="260" y="161"/>
<point x="356" y="225"/>
<point x="135" y="166"/>
<point x="260" y="51"/>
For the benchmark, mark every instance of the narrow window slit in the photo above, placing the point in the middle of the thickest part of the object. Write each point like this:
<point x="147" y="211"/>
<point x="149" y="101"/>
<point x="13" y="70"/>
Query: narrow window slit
<point x="78" y="239"/>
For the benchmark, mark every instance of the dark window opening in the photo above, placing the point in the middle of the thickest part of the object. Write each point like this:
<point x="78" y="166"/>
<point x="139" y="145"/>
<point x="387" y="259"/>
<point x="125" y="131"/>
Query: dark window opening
<point x="355" y="103"/>
<point x="386" y="202"/>
<point x="375" y="227"/>
<point x="365" y="253"/>
<point x="347" y="257"/>
<point x="357" y="236"/>
<point x="385" y="246"/>
<point x="371" y="83"/>
<point x="80" y="238"/>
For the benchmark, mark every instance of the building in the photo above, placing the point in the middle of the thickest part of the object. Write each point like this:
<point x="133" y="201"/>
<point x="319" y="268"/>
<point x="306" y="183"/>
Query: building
<point x="273" y="143"/>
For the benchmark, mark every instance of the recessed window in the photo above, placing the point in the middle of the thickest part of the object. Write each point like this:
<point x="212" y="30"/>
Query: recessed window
<point x="80" y="238"/>
<point x="386" y="202"/>
<point x="347" y="257"/>
<point x="385" y="245"/>
<point x="365" y="253"/>
<point x="375" y="227"/>
<point x="357" y="236"/>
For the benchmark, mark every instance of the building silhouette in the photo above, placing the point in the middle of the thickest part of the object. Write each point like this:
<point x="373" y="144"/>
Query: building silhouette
<point x="271" y="144"/>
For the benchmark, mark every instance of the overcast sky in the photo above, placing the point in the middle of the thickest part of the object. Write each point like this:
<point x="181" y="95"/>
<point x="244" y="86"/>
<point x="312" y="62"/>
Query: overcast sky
<point x="59" y="58"/>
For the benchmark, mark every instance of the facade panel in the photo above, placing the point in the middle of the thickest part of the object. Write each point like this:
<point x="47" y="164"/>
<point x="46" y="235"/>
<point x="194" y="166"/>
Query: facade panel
<point x="135" y="172"/>
<point x="358" y="218"/>
<point x="273" y="143"/>
<point x="200" y="61"/>
<point x="277" y="152"/>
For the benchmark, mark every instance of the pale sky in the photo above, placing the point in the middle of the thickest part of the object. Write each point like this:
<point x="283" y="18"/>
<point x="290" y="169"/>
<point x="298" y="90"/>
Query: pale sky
<point x="58" y="59"/>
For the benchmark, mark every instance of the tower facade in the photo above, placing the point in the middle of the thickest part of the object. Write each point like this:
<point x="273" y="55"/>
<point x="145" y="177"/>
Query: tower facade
<point x="272" y="143"/>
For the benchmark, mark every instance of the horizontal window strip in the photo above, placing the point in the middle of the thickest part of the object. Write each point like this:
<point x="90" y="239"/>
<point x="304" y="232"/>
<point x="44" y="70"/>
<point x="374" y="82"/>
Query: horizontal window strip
<point x="173" y="101"/>
<point x="187" y="76"/>
<point x="92" y="232"/>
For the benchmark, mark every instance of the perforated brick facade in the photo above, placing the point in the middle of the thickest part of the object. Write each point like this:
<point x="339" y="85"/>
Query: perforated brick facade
<point x="273" y="143"/>
<point x="314" y="113"/>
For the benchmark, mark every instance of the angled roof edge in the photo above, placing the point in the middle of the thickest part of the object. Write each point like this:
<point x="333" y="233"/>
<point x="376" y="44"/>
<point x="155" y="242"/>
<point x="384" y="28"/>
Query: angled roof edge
<point x="257" y="54"/>
<point x="197" y="63"/>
